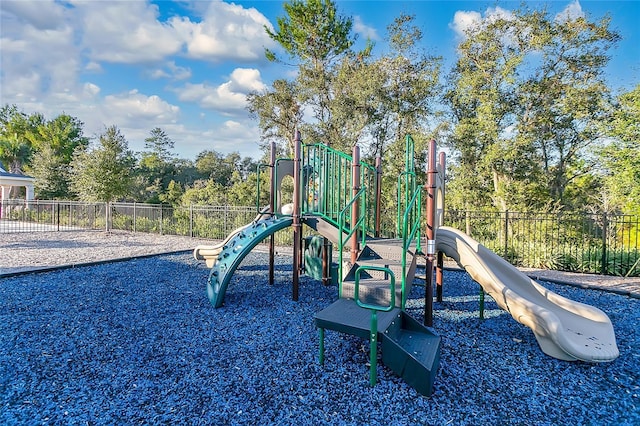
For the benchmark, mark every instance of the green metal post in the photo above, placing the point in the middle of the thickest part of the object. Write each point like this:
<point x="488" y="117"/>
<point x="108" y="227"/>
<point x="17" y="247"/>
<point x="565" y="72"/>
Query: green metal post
<point x="297" y="220"/>
<point x="373" y="348"/>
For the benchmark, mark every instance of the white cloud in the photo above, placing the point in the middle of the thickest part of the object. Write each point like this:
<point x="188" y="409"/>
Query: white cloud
<point x="91" y="90"/>
<point x="134" y="106"/>
<point x="43" y="14"/>
<point x="170" y="71"/>
<point x="36" y="61"/>
<point x="241" y="136"/>
<point x="227" y="31"/>
<point x="366" y="31"/>
<point x="230" y="95"/>
<point x="56" y="57"/>
<point x="125" y="31"/>
<point x="572" y="12"/>
<point x="465" y="22"/>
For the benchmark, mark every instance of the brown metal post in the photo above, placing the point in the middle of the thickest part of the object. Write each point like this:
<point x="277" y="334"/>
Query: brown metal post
<point x="355" y="184"/>
<point x="297" y="222"/>
<point x="272" y="209"/>
<point x="378" y="230"/>
<point x="430" y="234"/>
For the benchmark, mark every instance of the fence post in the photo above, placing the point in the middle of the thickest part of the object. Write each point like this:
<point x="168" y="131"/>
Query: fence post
<point x="605" y="226"/>
<point x="58" y="215"/>
<point x="506" y="235"/>
<point x="160" y="218"/>
<point x="191" y="220"/>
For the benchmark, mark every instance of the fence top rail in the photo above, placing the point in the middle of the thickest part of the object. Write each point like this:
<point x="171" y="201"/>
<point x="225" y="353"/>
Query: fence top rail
<point x="543" y="215"/>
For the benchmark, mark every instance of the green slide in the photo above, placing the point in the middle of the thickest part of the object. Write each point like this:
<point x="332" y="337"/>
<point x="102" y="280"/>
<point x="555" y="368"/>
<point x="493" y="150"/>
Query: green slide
<point x="235" y="250"/>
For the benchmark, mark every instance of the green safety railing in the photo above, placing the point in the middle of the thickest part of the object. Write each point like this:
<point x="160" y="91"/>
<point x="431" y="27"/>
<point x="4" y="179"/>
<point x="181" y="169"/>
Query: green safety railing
<point x="327" y="175"/>
<point x="406" y="184"/>
<point x="410" y="233"/>
<point x="373" y="323"/>
<point x="350" y="230"/>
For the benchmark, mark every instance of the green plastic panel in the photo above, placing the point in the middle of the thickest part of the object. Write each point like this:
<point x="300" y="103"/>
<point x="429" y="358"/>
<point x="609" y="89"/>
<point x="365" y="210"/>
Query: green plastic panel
<point x="236" y="250"/>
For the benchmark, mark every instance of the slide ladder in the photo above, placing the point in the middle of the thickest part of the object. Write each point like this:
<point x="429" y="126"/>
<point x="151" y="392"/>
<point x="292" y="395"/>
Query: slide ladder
<point x="235" y="250"/>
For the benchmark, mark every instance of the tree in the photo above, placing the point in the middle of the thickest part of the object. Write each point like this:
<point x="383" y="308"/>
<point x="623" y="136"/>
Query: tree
<point x="52" y="175"/>
<point x="527" y="92"/>
<point x="104" y="173"/>
<point x="620" y="158"/>
<point x="160" y="144"/>
<point x="221" y="168"/>
<point x="316" y="37"/>
<point x="278" y="112"/>
<point x="16" y="147"/>
<point x="173" y="194"/>
<point x="205" y="192"/>
<point x="156" y="165"/>
<point x="410" y="89"/>
<point x="54" y="142"/>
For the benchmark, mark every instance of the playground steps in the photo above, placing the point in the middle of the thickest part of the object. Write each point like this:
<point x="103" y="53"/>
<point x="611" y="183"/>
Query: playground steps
<point x="412" y="351"/>
<point x="375" y="285"/>
<point x="409" y="349"/>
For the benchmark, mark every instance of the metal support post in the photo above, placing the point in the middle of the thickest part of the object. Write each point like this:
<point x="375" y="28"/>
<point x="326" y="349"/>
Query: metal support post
<point x="432" y="172"/>
<point x="297" y="220"/>
<point x="272" y="208"/>
<point x="355" y="208"/>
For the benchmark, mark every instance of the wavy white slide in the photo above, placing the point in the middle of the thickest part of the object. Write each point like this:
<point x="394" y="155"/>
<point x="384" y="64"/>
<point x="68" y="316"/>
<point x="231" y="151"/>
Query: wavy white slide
<point x="564" y="329"/>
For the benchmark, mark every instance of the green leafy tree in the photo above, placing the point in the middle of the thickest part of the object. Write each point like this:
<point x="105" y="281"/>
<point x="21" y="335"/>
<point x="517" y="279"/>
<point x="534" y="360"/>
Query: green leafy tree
<point x="205" y="192"/>
<point x="104" y="173"/>
<point x="278" y="112"/>
<point x="156" y="166"/>
<point x="212" y="165"/>
<point x="527" y="94"/>
<point x="54" y="142"/>
<point x="621" y="157"/>
<point x="173" y="194"/>
<point x="52" y="175"/>
<point x="16" y="147"/>
<point x="316" y="38"/>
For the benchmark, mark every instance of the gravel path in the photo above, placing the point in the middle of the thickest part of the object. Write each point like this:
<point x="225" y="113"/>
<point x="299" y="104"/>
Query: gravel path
<point x="37" y="250"/>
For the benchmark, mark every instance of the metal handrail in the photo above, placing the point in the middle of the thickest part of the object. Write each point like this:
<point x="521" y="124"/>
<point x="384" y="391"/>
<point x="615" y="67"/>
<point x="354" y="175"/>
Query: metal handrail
<point x="410" y="231"/>
<point x="342" y="228"/>
<point x="373" y="323"/>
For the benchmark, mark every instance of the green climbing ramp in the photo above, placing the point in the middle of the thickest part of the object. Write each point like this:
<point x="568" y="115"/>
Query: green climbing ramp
<point x="236" y="250"/>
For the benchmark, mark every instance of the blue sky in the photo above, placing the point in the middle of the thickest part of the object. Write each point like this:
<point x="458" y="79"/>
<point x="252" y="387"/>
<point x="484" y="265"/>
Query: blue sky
<point x="187" y="66"/>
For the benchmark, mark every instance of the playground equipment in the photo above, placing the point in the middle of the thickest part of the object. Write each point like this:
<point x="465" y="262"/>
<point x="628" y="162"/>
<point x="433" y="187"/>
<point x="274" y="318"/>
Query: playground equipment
<point x="338" y="196"/>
